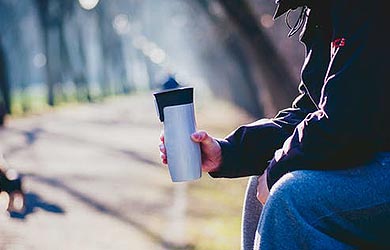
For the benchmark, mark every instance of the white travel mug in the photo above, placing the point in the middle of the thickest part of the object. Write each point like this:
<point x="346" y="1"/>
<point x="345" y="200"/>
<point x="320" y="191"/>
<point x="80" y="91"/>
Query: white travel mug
<point x="176" y="111"/>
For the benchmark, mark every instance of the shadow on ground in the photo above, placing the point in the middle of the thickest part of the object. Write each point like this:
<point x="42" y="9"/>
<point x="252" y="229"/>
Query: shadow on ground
<point x="35" y="201"/>
<point x="32" y="203"/>
<point x="32" y="136"/>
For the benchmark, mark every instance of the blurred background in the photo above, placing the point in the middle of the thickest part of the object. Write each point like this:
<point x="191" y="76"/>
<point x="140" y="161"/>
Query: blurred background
<point x="78" y="123"/>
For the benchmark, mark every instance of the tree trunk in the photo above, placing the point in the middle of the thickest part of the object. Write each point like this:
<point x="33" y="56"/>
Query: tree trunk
<point x="277" y="79"/>
<point x="5" y="98"/>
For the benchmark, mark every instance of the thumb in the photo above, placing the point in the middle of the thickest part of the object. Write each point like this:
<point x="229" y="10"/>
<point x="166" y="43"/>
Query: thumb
<point x="202" y="137"/>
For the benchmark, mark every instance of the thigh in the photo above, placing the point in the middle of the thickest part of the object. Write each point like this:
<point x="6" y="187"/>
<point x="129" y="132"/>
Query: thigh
<point x="352" y="205"/>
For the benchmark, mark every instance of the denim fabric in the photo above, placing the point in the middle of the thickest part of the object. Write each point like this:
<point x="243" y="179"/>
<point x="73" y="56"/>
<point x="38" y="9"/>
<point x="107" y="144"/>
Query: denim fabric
<point x="338" y="209"/>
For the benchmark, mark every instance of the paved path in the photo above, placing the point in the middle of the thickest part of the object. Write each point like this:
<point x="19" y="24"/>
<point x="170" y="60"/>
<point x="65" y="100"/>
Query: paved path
<point x="93" y="180"/>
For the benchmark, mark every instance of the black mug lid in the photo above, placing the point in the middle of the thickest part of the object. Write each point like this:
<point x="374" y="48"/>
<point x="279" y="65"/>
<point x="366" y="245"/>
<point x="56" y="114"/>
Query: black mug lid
<point x="172" y="97"/>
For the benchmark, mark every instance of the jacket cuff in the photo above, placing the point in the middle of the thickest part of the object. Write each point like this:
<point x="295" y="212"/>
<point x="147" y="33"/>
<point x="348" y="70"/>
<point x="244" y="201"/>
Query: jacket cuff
<point x="228" y="167"/>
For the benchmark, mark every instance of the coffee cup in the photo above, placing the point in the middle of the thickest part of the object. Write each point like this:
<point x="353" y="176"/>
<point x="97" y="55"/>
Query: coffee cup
<point x="175" y="108"/>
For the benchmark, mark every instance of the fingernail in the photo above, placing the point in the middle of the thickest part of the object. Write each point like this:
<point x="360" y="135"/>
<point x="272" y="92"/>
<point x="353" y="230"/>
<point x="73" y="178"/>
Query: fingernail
<point x="197" y="136"/>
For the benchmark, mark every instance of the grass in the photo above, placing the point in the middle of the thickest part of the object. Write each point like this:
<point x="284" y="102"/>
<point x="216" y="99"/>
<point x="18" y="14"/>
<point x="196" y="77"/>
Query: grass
<point x="216" y="218"/>
<point x="32" y="102"/>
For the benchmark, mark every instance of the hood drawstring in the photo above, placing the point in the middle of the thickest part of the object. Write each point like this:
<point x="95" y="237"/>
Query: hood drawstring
<point x="299" y="23"/>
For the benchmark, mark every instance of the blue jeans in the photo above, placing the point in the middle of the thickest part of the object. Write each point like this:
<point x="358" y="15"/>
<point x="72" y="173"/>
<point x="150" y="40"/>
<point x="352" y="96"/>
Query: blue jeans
<point x="341" y="209"/>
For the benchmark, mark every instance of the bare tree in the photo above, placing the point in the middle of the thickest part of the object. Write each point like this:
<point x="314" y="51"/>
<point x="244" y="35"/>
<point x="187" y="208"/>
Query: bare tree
<point x="5" y="95"/>
<point x="278" y="79"/>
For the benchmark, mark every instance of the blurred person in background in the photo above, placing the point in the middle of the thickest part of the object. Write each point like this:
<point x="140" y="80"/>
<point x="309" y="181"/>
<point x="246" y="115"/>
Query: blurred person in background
<point x="322" y="166"/>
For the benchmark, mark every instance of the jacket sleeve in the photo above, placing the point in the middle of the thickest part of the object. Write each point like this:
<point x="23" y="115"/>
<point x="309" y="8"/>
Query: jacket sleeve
<point x="343" y="133"/>
<point x="248" y="150"/>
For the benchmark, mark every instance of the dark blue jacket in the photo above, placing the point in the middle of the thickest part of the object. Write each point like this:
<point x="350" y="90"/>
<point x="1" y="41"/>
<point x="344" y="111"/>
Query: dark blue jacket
<point x="342" y="116"/>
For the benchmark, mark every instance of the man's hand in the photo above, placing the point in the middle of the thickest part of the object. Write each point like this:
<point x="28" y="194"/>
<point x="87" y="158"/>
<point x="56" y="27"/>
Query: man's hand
<point x="262" y="188"/>
<point x="210" y="149"/>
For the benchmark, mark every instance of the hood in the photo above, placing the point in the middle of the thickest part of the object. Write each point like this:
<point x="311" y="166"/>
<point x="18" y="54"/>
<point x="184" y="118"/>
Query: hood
<point x="285" y="5"/>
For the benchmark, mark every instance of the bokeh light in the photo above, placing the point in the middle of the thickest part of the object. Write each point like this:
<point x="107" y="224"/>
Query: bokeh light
<point x="39" y="60"/>
<point x="157" y="55"/>
<point x="88" y="4"/>
<point x="121" y="24"/>
<point x="266" y="21"/>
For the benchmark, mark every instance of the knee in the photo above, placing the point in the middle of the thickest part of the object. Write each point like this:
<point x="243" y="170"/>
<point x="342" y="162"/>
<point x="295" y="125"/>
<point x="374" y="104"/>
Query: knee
<point x="286" y="204"/>
<point x="293" y="189"/>
<point x="287" y="185"/>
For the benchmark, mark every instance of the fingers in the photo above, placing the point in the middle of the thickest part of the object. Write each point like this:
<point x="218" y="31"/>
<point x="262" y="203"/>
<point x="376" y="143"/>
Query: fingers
<point x="163" y="158"/>
<point x="199" y="136"/>
<point x="163" y="153"/>
<point x="162" y="139"/>
<point x="162" y="148"/>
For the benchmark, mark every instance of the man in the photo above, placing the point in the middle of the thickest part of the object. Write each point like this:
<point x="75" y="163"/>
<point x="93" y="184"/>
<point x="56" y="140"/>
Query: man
<point x="325" y="160"/>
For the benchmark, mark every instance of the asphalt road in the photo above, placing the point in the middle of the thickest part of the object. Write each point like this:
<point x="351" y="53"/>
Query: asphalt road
<point x="93" y="180"/>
